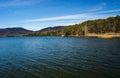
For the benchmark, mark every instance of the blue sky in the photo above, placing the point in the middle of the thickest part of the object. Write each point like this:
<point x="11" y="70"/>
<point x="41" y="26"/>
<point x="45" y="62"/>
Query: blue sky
<point x="38" y="14"/>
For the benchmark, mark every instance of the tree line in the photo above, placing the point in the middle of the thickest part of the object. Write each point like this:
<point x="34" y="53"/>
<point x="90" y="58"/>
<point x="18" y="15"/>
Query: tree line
<point x="99" y="26"/>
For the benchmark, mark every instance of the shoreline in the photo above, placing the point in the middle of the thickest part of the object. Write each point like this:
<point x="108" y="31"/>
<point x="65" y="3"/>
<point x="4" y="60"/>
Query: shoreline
<point x="106" y="35"/>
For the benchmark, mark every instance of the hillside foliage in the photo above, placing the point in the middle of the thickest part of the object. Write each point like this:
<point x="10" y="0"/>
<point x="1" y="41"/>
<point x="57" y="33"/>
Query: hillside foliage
<point x="99" y="26"/>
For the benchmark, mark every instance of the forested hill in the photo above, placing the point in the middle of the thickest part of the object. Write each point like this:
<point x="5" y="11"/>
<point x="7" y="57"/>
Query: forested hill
<point x="99" y="26"/>
<point x="46" y="31"/>
<point x="18" y="31"/>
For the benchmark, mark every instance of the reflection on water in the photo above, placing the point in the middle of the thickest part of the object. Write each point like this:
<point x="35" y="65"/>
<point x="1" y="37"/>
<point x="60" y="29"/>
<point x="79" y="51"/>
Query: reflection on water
<point x="59" y="57"/>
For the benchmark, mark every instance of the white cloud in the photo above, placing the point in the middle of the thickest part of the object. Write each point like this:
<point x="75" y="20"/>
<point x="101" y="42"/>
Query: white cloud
<point x="76" y="16"/>
<point x="99" y="14"/>
<point x="17" y="3"/>
<point x="108" y="11"/>
<point x="99" y="7"/>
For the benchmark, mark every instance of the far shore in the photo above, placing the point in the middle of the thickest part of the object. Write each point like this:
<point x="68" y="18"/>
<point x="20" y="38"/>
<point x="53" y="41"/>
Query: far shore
<point x="106" y="35"/>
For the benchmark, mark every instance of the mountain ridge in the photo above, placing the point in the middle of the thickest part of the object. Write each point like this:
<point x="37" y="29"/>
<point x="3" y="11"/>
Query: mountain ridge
<point x="14" y="31"/>
<point x="98" y="26"/>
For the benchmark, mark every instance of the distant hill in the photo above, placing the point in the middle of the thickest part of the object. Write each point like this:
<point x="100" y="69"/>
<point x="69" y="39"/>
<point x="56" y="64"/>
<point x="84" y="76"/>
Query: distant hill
<point x="51" y="29"/>
<point x="18" y="31"/>
<point x="46" y="31"/>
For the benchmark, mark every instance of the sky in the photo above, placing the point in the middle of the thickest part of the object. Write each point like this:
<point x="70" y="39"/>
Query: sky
<point x="37" y="14"/>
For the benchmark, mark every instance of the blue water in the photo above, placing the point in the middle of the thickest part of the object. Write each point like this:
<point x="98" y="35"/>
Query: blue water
<point x="59" y="57"/>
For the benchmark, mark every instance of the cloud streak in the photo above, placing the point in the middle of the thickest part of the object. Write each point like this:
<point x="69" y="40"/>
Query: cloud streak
<point x="17" y="3"/>
<point x="108" y="11"/>
<point x="77" y="16"/>
<point x="74" y="17"/>
<point x="99" y="7"/>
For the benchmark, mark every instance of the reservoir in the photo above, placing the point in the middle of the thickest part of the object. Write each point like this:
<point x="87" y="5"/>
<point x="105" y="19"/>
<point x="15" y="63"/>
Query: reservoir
<point x="59" y="57"/>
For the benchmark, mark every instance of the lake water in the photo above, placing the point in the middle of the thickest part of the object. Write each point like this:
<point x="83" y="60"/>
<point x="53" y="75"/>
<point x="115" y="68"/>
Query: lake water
<point x="59" y="57"/>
